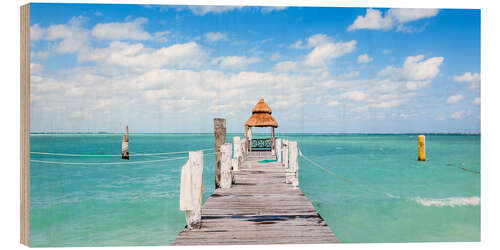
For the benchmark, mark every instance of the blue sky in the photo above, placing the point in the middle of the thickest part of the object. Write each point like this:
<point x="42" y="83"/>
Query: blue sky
<point x="321" y="69"/>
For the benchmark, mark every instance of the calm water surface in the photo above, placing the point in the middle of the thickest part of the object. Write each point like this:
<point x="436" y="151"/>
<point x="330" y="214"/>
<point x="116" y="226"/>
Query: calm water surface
<point x="379" y="192"/>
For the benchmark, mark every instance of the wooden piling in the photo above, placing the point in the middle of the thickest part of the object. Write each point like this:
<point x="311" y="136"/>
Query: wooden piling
<point x="278" y="149"/>
<point x="226" y="162"/>
<point x="125" y="154"/>
<point x="220" y="139"/>
<point x="238" y="153"/>
<point x="292" y="176"/>
<point x="421" y="148"/>
<point x="285" y="153"/>
<point x="191" y="189"/>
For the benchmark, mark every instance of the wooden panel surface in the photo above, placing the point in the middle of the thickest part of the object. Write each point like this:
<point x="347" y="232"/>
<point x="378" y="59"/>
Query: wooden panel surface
<point x="25" y="123"/>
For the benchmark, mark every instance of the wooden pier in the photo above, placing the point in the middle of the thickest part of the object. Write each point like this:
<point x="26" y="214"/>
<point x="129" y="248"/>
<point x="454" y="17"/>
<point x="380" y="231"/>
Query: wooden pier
<point x="259" y="208"/>
<point x="253" y="202"/>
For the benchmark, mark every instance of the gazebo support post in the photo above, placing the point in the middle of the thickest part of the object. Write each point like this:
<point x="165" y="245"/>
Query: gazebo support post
<point x="272" y="142"/>
<point x="250" y="139"/>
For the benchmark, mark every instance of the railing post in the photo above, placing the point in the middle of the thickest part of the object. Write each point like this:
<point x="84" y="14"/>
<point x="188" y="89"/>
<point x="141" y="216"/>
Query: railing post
<point x="278" y="149"/>
<point x="191" y="192"/>
<point x="226" y="162"/>
<point x="238" y="153"/>
<point x="245" y="149"/>
<point x="292" y="175"/>
<point x="285" y="153"/>
<point x="220" y="139"/>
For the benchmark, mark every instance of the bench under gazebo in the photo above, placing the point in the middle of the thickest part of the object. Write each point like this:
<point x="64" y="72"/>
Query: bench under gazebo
<point x="261" y="117"/>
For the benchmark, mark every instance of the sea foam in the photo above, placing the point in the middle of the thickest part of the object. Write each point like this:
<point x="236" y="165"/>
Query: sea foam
<point x="449" y="202"/>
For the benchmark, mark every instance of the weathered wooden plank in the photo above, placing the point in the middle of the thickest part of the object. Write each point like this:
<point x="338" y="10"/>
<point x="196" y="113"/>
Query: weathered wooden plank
<point x="259" y="208"/>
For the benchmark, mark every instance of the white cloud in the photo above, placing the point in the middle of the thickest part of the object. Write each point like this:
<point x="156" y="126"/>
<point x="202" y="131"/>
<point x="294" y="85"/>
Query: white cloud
<point x="202" y="10"/>
<point x="387" y="104"/>
<point x="36" y="33"/>
<point x="286" y="66"/>
<point x="133" y="30"/>
<point x="269" y="9"/>
<point x="409" y="15"/>
<point x="215" y="36"/>
<point x="35" y="68"/>
<point x="468" y="77"/>
<point x="364" y="58"/>
<point x="72" y="37"/>
<point x="415" y="85"/>
<point x="136" y="55"/>
<point x="349" y="75"/>
<point x="477" y="101"/>
<point x="454" y="99"/>
<point x="41" y="54"/>
<point x="234" y="62"/>
<point x="414" y="69"/>
<point x="333" y="103"/>
<point x="354" y="95"/>
<point x="375" y="20"/>
<point x="472" y="79"/>
<point x="386" y="51"/>
<point x="163" y="36"/>
<point x="325" y="52"/>
<point x="461" y="114"/>
<point x="311" y="42"/>
<point x="372" y="20"/>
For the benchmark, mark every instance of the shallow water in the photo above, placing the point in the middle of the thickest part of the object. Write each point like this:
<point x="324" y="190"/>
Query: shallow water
<point x="376" y="192"/>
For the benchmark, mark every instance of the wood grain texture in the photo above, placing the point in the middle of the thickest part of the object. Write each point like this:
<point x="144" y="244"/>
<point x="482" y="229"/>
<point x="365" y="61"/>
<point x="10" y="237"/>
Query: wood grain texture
<point x="220" y="139"/>
<point x="260" y="208"/>
<point x="25" y="124"/>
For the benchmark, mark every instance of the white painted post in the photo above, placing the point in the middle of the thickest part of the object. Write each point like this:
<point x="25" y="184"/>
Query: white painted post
<point x="278" y="149"/>
<point x="292" y="173"/>
<point x="226" y="162"/>
<point x="285" y="153"/>
<point x="191" y="192"/>
<point x="238" y="153"/>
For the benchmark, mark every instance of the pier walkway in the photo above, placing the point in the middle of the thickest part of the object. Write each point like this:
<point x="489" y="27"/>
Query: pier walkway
<point x="259" y="208"/>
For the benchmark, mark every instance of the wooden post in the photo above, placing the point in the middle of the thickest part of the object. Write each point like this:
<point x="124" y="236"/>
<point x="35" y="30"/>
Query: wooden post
<point x="125" y="154"/>
<point x="191" y="192"/>
<point x="245" y="149"/>
<point x="226" y="162"/>
<point x="278" y="149"/>
<point x="245" y="135"/>
<point x="421" y="148"/>
<point x="238" y="153"/>
<point x="273" y="149"/>
<point x="285" y="153"/>
<point x="220" y="139"/>
<point x="249" y="139"/>
<point x="292" y="175"/>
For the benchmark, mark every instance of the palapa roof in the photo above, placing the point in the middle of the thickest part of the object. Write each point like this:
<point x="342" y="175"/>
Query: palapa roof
<point x="261" y="116"/>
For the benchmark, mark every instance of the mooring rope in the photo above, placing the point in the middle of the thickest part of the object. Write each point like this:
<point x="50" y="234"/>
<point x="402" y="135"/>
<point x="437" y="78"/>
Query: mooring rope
<point x="140" y="154"/>
<point x="321" y="167"/>
<point x="108" y="163"/>
<point x="114" y="163"/>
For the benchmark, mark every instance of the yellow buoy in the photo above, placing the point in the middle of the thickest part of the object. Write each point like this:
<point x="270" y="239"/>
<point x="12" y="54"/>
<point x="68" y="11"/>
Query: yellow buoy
<point x="421" y="148"/>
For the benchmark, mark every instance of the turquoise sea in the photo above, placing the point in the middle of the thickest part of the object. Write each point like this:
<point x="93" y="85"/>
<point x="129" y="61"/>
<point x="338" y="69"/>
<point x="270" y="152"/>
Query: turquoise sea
<point x="376" y="190"/>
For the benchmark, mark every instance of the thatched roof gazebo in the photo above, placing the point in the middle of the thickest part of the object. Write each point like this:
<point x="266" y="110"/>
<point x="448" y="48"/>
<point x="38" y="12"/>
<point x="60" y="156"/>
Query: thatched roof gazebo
<point x="261" y="117"/>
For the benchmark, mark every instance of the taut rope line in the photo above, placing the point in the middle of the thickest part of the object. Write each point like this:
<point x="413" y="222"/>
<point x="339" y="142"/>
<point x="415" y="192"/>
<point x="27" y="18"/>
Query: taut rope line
<point x="150" y="154"/>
